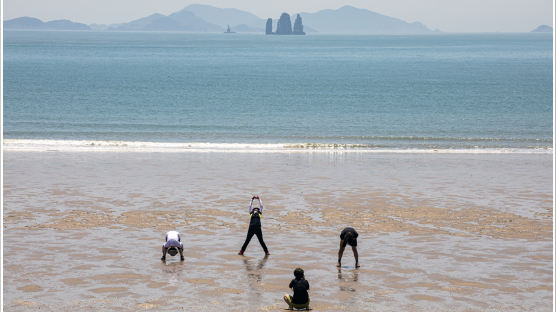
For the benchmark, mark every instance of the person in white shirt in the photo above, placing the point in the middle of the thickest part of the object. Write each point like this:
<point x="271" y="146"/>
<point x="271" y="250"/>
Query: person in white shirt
<point x="173" y="241"/>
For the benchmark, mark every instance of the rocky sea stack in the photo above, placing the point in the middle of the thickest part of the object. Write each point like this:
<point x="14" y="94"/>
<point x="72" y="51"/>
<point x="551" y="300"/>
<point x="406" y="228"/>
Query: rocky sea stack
<point x="284" y="26"/>
<point x="269" y="26"/>
<point x="298" y="26"/>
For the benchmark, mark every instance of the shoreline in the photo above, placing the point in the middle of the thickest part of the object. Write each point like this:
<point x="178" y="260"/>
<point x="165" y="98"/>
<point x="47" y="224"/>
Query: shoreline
<point x="28" y="145"/>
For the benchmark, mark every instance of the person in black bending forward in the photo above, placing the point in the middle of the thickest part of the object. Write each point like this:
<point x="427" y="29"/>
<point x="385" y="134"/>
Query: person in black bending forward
<point x="299" y="285"/>
<point x="255" y="226"/>
<point x="348" y="236"/>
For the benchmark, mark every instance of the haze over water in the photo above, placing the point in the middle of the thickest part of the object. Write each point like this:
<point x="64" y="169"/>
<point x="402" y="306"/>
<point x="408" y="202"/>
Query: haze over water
<point x="487" y="91"/>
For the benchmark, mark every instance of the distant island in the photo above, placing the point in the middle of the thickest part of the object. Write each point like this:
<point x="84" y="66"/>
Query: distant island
<point x="209" y="19"/>
<point x="543" y="28"/>
<point x="284" y="26"/>
<point x="352" y="20"/>
<point x="31" y="23"/>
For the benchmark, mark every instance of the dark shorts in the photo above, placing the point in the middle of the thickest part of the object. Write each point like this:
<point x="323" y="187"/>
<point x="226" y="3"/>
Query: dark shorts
<point x="349" y="233"/>
<point x="353" y="242"/>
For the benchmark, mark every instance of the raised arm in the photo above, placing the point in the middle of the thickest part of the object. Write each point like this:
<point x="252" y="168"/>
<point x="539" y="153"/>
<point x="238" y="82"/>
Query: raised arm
<point x="251" y="204"/>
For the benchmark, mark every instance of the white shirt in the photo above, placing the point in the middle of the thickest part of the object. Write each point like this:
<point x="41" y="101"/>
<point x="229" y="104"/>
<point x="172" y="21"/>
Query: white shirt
<point x="175" y="235"/>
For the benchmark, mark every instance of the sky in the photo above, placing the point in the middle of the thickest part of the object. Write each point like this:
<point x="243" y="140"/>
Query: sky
<point x="445" y="15"/>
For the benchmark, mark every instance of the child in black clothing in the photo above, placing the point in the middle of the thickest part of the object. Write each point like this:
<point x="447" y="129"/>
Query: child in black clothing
<point x="348" y="236"/>
<point x="300" y="286"/>
<point x="255" y="226"/>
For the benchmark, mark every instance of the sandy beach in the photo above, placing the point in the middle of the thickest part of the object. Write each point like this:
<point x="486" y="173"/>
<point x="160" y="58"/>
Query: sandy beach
<point x="438" y="232"/>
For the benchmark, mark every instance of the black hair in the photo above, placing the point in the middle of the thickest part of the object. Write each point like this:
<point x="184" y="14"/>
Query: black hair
<point x="299" y="273"/>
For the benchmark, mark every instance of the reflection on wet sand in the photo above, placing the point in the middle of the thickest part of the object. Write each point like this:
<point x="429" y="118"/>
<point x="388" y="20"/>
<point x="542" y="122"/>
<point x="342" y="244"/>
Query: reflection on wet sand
<point x="254" y="273"/>
<point x="348" y="279"/>
<point x="173" y="270"/>
<point x="254" y="279"/>
<point x="350" y="275"/>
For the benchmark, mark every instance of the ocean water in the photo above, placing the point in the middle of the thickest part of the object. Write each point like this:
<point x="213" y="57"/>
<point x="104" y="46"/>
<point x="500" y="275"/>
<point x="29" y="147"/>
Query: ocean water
<point x="446" y="91"/>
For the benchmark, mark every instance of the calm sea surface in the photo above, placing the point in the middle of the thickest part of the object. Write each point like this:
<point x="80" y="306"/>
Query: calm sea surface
<point x="458" y="91"/>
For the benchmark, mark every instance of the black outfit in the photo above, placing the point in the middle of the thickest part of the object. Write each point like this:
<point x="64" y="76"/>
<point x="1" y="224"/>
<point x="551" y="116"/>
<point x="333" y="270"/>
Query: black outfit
<point x="352" y="240"/>
<point x="254" y="229"/>
<point x="300" y="287"/>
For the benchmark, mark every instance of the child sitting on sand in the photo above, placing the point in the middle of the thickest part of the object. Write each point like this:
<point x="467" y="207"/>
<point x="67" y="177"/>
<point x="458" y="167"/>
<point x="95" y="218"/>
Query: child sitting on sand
<point x="254" y="226"/>
<point x="300" y="286"/>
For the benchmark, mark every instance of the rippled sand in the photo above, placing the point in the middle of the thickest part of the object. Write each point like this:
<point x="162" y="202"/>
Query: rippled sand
<point x="82" y="231"/>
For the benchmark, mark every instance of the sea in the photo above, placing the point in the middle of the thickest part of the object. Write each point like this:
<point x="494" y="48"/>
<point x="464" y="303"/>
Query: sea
<point x="448" y="92"/>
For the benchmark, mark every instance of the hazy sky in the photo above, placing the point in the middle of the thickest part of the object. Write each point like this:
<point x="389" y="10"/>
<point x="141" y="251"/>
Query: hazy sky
<point x="446" y="15"/>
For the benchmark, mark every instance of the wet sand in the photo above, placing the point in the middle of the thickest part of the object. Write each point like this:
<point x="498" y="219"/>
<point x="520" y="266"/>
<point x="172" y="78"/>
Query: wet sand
<point x="438" y="232"/>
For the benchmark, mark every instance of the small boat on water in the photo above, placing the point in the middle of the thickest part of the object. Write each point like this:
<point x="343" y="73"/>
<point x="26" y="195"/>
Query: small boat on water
<point x="229" y="31"/>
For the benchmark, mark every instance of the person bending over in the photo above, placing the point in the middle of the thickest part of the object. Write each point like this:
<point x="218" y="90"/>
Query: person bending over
<point x="254" y="226"/>
<point x="173" y="241"/>
<point x="300" y="286"/>
<point x="348" y="236"/>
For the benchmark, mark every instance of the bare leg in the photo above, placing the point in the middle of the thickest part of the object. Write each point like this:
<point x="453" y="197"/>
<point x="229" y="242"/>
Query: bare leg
<point x="288" y="300"/>
<point x="355" y="255"/>
<point x="181" y="254"/>
<point x="340" y="253"/>
<point x="164" y="251"/>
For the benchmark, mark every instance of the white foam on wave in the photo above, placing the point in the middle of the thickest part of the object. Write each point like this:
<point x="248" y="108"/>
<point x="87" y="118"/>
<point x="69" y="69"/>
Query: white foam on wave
<point x="29" y="145"/>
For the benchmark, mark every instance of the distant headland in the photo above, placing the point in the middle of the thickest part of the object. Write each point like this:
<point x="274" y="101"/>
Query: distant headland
<point x="284" y="26"/>
<point x="31" y="23"/>
<point x="543" y="28"/>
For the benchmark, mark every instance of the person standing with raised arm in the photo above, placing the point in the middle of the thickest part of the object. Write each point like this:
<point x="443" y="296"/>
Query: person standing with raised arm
<point x="348" y="236"/>
<point x="254" y="226"/>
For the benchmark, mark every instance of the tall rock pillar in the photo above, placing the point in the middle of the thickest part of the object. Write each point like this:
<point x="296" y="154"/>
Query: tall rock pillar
<point x="284" y="25"/>
<point x="298" y="26"/>
<point x="269" y="26"/>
